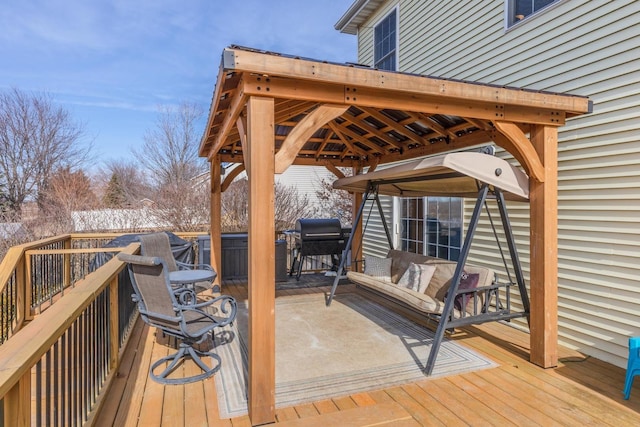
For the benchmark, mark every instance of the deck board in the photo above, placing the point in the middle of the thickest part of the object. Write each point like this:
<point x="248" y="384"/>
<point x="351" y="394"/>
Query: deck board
<point x="387" y="414"/>
<point x="306" y="410"/>
<point x="419" y="410"/>
<point x="580" y="391"/>
<point x="130" y="365"/>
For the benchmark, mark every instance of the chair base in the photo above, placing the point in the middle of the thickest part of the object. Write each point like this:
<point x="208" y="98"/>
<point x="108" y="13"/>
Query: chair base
<point x="185" y="352"/>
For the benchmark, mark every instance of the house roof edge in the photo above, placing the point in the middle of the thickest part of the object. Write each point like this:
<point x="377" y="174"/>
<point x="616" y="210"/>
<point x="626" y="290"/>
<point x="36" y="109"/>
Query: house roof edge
<point x="357" y="13"/>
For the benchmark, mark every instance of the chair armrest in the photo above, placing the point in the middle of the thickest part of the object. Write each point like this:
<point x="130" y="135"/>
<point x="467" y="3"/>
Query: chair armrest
<point x="152" y="315"/>
<point x="224" y="301"/>
<point x="185" y="266"/>
<point x="227" y="306"/>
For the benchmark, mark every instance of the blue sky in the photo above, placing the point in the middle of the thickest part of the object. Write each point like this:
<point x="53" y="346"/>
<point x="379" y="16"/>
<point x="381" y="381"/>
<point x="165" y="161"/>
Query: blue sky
<point x="111" y="63"/>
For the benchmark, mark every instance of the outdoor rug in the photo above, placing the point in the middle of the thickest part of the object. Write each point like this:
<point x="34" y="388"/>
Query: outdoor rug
<point x="310" y="280"/>
<point x="354" y="345"/>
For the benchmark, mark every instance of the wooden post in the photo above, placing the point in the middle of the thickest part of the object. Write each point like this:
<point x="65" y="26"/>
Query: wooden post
<point x="216" y="211"/>
<point x="114" y="330"/>
<point x="17" y="403"/>
<point x="261" y="140"/>
<point x="544" y="250"/>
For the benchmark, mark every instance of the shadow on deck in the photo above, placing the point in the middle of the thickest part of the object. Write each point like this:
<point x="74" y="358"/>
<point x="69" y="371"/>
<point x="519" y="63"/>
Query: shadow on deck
<point x="580" y="391"/>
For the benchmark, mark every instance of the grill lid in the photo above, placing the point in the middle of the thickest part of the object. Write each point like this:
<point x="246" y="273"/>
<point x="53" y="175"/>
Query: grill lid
<point x="319" y="229"/>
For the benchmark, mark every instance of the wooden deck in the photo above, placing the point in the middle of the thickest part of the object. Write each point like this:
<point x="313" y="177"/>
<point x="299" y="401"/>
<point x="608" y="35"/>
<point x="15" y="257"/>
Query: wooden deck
<point x="580" y="391"/>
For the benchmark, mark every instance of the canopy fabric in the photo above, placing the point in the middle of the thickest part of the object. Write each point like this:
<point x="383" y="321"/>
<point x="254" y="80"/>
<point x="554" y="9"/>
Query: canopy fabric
<point x="448" y="175"/>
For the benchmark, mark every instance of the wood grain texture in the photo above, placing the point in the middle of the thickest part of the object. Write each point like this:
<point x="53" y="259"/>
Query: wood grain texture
<point x="261" y="342"/>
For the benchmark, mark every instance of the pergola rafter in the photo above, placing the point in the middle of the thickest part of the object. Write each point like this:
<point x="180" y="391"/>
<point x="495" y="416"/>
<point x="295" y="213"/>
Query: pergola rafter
<point x="270" y="111"/>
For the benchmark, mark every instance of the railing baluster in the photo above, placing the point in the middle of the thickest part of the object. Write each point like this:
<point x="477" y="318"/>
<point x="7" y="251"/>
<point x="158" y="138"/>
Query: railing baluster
<point x="56" y="391"/>
<point x="70" y="333"/>
<point x="94" y="351"/>
<point x="47" y="387"/>
<point x="86" y="404"/>
<point x="78" y="372"/>
<point x="63" y="378"/>
<point x="39" y="393"/>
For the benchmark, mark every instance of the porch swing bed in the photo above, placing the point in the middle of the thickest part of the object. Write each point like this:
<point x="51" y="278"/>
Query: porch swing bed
<point x="450" y="298"/>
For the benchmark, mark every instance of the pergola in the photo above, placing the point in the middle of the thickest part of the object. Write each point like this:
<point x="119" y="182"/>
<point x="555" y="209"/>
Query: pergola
<point x="270" y="111"/>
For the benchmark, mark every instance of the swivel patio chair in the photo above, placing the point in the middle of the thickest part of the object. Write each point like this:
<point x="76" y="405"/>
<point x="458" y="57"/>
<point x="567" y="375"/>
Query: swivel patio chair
<point x="191" y="324"/>
<point x="158" y="245"/>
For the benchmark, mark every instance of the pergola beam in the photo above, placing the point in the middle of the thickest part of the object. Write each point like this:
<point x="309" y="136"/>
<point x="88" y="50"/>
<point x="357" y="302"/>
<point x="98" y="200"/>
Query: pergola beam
<point x="517" y="143"/>
<point x="237" y="104"/>
<point x="371" y="79"/>
<point x="228" y="179"/>
<point x="401" y="100"/>
<point x="241" y="126"/>
<point x="303" y="131"/>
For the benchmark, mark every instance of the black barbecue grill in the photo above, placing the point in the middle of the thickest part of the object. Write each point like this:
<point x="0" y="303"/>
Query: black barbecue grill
<point x="317" y="237"/>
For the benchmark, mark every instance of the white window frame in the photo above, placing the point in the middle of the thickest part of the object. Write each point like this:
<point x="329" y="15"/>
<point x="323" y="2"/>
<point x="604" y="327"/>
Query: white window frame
<point x="509" y="5"/>
<point x="424" y="239"/>
<point x="396" y="9"/>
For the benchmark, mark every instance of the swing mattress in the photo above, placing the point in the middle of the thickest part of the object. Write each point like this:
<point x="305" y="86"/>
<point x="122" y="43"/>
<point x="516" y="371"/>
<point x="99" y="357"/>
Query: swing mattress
<point x="432" y="300"/>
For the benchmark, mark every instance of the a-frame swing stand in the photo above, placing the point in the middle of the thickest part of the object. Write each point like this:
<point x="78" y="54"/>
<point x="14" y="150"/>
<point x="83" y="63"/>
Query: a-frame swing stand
<point x="497" y="298"/>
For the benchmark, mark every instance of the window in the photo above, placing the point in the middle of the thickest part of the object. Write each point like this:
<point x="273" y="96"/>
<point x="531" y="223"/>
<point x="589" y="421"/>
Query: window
<point x="437" y="233"/>
<point x="385" y="42"/>
<point x="412" y="217"/>
<point x="517" y="10"/>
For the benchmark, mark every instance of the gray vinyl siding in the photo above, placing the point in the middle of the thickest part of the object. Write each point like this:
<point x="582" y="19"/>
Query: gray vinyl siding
<point x="307" y="180"/>
<point x="587" y="48"/>
<point x="375" y="239"/>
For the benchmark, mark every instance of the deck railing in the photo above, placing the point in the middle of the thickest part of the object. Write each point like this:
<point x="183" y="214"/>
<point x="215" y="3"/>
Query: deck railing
<point x="64" y="320"/>
<point x="34" y="275"/>
<point x="55" y="370"/>
<point x="72" y="362"/>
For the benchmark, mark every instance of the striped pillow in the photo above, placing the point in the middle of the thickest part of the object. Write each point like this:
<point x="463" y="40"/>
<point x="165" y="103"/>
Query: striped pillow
<point x="417" y="277"/>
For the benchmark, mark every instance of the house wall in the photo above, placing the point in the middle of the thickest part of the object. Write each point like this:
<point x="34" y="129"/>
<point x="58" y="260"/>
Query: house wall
<point x="307" y="180"/>
<point x="582" y="47"/>
<point x="374" y="242"/>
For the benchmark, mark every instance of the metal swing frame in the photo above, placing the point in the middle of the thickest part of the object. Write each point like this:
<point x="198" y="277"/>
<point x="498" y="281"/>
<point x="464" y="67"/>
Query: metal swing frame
<point x="446" y="319"/>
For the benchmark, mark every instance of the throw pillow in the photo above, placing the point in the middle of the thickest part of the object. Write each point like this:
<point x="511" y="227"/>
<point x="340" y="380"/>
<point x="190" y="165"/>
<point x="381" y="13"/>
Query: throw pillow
<point x="467" y="282"/>
<point x="417" y="277"/>
<point x="378" y="267"/>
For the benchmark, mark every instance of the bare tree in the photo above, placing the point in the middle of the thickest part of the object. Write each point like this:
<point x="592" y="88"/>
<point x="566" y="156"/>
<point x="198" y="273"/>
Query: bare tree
<point x="66" y="191"/>
<point x="234" y="207"/>
<point x="36" y="138"/>
<point x="170" y="150"/>
<point x="336" y="203"/>
<point x="4" y="204"/>
<point x="290" y="205"/>
<point x="184" y="207"/>
<point x="170" y="155"/>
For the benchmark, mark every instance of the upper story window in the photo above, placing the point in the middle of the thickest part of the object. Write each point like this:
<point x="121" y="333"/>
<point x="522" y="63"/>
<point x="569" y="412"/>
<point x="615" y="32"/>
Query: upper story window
<point x="385" y="42"/>
<point x="517" y="10"/>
